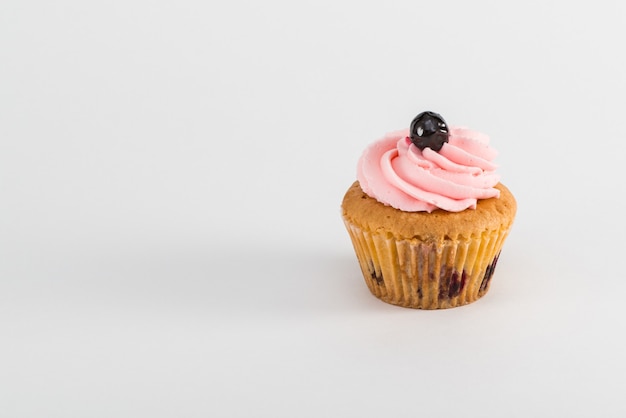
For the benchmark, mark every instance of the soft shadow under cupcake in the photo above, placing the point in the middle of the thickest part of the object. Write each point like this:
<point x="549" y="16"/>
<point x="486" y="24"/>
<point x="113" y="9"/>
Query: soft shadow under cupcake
<point x="227" y="281"/>
<point x="288" y="283"/>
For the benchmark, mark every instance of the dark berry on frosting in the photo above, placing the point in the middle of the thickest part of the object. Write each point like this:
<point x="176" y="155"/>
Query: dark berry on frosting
<point x="429" y="130"/>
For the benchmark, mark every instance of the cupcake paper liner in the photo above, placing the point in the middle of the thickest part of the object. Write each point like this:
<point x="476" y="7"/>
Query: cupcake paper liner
<point x="427" y="274"/>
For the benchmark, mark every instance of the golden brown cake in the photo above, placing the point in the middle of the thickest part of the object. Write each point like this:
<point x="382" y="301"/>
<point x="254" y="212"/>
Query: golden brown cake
<point x="427" y="260"/>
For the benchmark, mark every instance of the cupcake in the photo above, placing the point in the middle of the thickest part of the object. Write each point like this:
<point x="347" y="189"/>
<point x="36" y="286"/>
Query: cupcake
<point x="428" y="215"/>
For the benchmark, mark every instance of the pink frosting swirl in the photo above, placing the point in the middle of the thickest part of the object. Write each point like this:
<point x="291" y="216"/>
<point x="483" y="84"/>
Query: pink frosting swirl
<point x="395" y="172"/>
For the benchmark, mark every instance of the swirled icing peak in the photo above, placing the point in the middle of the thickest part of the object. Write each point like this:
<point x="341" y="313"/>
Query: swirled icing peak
<point x="394" y="171"/>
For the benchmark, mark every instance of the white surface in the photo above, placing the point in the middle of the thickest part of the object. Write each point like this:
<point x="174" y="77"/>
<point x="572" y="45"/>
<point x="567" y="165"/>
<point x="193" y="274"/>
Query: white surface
<point x="170" y="238"/>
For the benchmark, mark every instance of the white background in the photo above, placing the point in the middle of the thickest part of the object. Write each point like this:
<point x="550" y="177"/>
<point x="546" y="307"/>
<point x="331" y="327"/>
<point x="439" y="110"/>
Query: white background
<point x="170" y="235"/>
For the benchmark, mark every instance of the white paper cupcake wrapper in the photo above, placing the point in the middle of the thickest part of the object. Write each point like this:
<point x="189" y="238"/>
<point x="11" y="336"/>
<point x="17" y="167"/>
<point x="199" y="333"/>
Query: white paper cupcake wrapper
<point x="427" y="275"/>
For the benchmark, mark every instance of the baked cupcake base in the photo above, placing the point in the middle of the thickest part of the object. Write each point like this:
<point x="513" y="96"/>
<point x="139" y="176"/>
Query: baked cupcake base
<point x="427" y="260"/>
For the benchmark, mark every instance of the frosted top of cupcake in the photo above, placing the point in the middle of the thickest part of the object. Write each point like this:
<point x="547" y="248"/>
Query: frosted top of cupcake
<point x="429" y="166"/>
